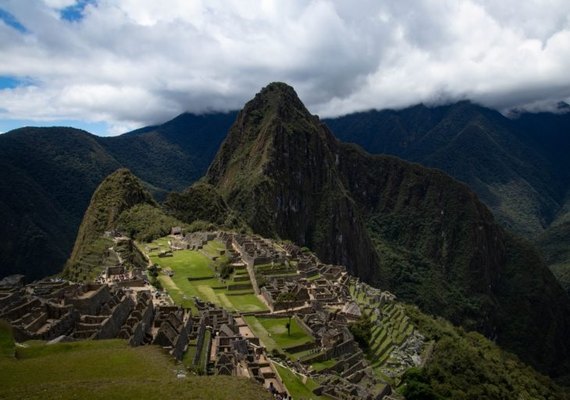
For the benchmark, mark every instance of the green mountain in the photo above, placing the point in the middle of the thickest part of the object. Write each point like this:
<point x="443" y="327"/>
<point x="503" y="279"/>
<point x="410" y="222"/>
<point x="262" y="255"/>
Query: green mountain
<point x="173" y="155"/>
<point x="402" y="226"/>
<point x="47" y="178"/>
<point x="118" y="193"/>
<point x="518" y="167"/>
<point x="554" y="243"/>
<point x="524" y="183"/>
<point x="48" y="175"/>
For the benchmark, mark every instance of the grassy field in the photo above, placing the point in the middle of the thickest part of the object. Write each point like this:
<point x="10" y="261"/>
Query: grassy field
<point x="295" y="386"/>
<point x="107" y="369"/>
<point x="319" y="366"/>
<point x="273" y="332"/>
<point x="189" y="263"/>
<point x="193" y="264"/>
<point x="6" y="340"/>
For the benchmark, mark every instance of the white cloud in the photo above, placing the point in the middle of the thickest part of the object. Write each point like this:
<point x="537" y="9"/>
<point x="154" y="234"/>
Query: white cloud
<point x="136" y="62"/>
<point x="59" y="3"/>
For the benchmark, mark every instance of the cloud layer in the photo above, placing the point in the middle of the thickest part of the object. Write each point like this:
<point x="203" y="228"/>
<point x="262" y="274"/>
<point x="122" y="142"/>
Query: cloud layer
<point x="137" y="62"/>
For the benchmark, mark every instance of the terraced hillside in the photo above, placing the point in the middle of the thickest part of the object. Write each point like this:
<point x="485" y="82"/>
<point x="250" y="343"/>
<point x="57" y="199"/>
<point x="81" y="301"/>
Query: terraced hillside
<point x="395" y="344"/>
<point x="187" y="274"/>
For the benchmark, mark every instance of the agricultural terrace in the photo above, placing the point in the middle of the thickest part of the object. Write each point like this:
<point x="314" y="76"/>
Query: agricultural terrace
<point x="391" y="327"/>
<point x="273" y="332"/>
<point x="298" y="387"/>
<point x="195" y="274"/>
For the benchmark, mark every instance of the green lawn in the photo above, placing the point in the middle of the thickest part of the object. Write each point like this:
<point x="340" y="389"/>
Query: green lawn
<point x="6" y="340"/>
<point x="109" y="369"/>
<point x="213" y="247"/>
<point x="273" y="332"/>
<point x="187" y="263"/>
<point x="191" y="264"/>
<point x="295" y="386"/>
<point x="319" y="366"/>
<point x="242" y="302"/>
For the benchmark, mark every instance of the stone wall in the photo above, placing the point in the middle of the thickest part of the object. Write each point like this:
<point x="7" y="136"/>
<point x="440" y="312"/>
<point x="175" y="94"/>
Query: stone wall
<point x="182" y="341"/>
<point x="112" y="325"/>
<point x="90" y="303"/>
<point x="142" y="326"/>
<point x="200" y="340"/>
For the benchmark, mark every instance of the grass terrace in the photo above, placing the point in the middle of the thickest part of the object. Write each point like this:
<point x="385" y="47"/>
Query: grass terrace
<point x="194" y="275"/>
<point x="297" y="386"/>
<point x="273" y="332"/>
<point x="389" y="331"/>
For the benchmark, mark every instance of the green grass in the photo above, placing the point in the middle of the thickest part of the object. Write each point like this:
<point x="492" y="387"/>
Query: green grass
<point x="109" y="369"/>
<point x="204" y="353"/>
<point x="321" y="365"/>
<point x="213" y="247"/>
<point x="295" y="386"/>
<point x="6" y="340"/>
<point x="244" y="302"/>
<point x="193" y="264"/>
<point x="261" y="333"/>
<point x="273" y="333"/>
<point x="189" y="355"/>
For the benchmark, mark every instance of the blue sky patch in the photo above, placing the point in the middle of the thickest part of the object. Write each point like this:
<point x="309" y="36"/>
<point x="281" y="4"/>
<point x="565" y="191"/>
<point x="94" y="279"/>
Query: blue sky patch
<point x="9" y="82"/>
<point x="75" y="12"/>
<point x="11" y="21"/>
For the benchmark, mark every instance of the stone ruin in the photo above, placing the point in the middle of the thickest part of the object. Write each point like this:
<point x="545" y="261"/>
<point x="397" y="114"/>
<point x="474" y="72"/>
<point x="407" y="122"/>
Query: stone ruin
<point x="57" y="309"/>
<point x="325" y="300"/>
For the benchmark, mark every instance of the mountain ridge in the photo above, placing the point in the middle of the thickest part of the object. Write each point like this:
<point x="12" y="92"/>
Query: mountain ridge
<point x="48" y="176"/>
<point x="382" y="216"/>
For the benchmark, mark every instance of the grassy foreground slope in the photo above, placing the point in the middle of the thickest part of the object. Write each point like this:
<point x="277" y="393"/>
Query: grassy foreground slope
<point x="106" y="369"/>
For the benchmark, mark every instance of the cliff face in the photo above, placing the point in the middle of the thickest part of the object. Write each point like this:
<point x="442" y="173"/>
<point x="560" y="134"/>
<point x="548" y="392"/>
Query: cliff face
<point x="278" y="169"/>
<point x="408" y="228"/>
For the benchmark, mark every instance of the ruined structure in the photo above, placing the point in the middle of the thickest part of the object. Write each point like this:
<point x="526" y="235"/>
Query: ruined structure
<point x="322" y="299"/>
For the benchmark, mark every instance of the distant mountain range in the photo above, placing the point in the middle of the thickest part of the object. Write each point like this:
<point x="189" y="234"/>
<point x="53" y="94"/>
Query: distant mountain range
<point x="281" y="172"/>
<point x="47" y="176"/>
<point x="518" y="167"/>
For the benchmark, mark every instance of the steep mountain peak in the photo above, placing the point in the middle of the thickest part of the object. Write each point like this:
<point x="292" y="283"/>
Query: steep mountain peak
<point x="279" y="93"/>
<point x="119" y="192"/>
<point x="270" y="134"/>
<point x="275" y="102"/>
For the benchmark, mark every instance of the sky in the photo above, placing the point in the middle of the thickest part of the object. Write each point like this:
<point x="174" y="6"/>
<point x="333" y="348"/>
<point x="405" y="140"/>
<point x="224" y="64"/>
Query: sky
<point x="110" y="66"/>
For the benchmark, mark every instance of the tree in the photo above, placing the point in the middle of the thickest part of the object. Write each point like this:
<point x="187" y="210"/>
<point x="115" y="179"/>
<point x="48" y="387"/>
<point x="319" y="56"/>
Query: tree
<point x="287" y="298"/>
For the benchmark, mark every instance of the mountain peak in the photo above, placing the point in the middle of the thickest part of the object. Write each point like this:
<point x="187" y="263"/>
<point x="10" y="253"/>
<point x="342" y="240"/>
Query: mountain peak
<point x="276" y="101"/>
<point x="120" y="191"/>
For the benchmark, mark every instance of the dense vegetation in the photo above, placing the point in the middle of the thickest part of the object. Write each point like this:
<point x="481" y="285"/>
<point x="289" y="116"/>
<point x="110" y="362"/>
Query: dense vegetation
<point x="468" y="366"/>
<point x="518" y="167"/>
<point x="173" y="155"/>
<point x="362" y="332"/>
<point x="202" y="202"/>
<point x="118" y="193"/>
<point x="48" y="175"/>
<point x="145" y="222"/>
